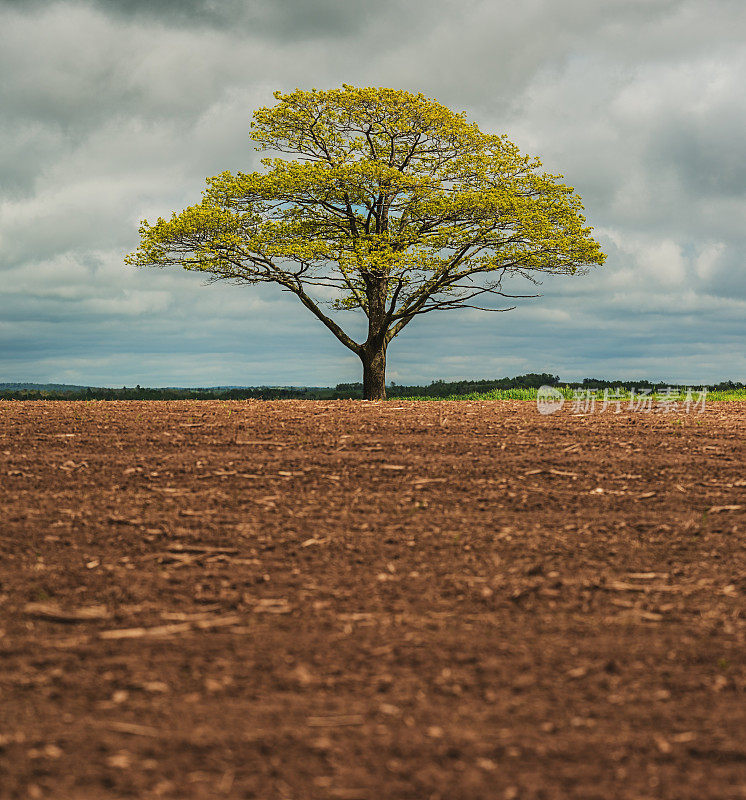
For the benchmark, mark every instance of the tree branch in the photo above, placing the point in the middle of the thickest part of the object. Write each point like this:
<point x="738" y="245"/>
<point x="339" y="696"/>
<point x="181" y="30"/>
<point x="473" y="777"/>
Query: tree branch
<point x="346" y="340"/>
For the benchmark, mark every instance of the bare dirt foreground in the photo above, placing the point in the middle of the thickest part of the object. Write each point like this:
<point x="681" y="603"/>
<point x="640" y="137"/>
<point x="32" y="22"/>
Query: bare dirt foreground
<point x="371" y="601"/>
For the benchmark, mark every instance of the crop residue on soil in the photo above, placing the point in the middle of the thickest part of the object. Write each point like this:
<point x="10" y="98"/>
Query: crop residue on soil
<point x="348" y="600"/>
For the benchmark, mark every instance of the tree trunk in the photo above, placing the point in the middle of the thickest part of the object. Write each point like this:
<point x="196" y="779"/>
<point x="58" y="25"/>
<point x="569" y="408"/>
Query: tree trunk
<point x="374" y="372"/>
<point x="373" y="352"/>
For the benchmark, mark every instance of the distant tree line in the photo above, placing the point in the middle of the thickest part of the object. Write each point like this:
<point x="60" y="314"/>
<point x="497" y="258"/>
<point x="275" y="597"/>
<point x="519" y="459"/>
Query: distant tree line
<point x="342" y="391"/>
<point x="140" y="393"/>
<point x="601" y="383"/>
<point x="532" y="380"/>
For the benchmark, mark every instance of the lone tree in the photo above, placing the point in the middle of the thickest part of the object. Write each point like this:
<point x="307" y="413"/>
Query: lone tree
<point x="394" y="206"/>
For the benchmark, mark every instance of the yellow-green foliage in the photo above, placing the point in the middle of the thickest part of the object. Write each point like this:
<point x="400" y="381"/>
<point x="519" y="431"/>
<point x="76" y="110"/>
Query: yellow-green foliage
<point x="393" y="200"/>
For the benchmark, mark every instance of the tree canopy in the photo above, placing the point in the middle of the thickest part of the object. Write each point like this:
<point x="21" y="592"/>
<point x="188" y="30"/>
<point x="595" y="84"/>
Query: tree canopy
<point x="382" y="202"/>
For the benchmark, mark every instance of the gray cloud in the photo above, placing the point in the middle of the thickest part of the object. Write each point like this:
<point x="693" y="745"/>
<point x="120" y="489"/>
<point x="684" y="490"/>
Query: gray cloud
<point x="117" y="110"/>
<point x="276" y="19"/>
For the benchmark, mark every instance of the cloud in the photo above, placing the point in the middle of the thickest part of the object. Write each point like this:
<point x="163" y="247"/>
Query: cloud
<point x="115" y="110"/>
<point x="273" y="20"/>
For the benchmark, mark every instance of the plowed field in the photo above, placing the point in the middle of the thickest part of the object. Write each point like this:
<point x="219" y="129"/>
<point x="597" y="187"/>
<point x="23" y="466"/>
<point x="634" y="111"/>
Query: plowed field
<point x="371" y="601"/>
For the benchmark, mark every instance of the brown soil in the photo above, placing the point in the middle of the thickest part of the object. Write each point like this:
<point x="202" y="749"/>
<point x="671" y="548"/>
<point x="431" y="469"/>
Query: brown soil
<point x="373" y="601"/>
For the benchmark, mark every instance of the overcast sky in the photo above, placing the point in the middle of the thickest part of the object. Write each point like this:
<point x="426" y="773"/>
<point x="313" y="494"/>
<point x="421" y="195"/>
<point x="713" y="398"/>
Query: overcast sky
<point x="116" y="110"/>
